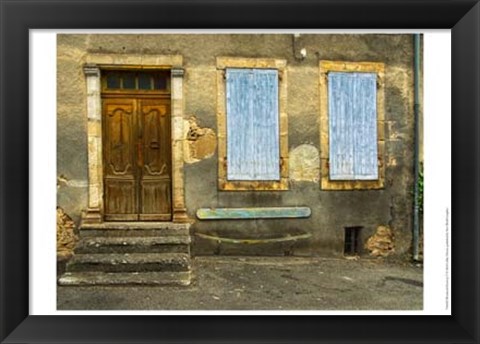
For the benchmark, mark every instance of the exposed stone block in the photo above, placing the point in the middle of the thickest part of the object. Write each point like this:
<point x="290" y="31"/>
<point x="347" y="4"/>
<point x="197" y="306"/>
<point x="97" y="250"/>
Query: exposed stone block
<point x="382" y="243"/>
<point x="66" y="238"/>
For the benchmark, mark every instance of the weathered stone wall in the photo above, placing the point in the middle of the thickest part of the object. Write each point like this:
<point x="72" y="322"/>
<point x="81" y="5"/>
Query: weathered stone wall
<point x="332" y="211"/>
<point x="72" y="168"/>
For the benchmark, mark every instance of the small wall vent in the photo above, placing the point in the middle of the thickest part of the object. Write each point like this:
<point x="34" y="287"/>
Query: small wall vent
<point x="352" y="241"/>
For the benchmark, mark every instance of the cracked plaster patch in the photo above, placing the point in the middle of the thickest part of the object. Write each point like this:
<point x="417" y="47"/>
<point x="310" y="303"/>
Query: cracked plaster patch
<point x="199" y="143"/>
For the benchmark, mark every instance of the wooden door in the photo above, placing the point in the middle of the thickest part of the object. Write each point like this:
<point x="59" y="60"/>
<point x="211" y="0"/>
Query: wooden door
<point x="137" y="159"/>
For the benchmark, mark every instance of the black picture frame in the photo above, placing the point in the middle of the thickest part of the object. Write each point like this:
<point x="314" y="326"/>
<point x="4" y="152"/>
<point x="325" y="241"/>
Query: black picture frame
<point x="17" y="17"/>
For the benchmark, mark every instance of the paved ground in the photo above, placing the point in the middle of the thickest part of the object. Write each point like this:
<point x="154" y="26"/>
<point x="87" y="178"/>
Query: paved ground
<point x="283" y="283"/>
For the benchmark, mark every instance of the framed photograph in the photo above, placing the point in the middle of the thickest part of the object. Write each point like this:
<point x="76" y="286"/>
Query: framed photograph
<point x="239" y="172"/>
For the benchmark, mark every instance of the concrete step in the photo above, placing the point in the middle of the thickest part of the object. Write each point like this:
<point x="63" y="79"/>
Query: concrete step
<point x="129" y="262"/>
<point x="181" y="278"/>
<point x="117" y="244"/>
<point x="124" y="229"/>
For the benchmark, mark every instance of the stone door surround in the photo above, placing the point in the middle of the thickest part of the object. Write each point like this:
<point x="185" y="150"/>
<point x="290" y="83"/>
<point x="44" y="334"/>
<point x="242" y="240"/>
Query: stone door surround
<point x="95" y="63"/>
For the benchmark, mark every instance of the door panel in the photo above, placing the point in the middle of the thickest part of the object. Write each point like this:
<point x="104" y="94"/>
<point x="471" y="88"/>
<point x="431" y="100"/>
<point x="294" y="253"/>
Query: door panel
<point x="156" y="143"/>
<point x="120" y="195"/>
<point x="156" y="200"/>
<point x="119" y="159"/>
<point x="137" y="159"/>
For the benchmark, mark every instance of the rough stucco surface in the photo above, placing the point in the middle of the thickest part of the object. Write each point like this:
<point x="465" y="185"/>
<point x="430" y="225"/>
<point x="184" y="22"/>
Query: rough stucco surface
<point x="71" y="125"/>
<point x="332" y="211"/>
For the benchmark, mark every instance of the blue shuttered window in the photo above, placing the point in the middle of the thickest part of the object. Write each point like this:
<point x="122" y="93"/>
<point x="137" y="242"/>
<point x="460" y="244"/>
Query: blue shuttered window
<point x="252" y="124"/>
<point x="352" y="106"/>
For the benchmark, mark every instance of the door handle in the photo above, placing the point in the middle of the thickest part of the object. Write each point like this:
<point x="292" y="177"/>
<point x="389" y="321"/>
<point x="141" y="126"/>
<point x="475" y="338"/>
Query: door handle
<point x="154" y="145"/>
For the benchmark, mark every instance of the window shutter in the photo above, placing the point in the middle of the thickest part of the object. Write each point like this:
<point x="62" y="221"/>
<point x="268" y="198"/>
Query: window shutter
<point x="352" y="126"/>
<point x="252" y="125"/>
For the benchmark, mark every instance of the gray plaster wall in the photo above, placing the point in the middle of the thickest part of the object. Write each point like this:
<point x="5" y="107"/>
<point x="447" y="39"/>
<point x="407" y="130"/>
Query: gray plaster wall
<point x="332" y="211"/>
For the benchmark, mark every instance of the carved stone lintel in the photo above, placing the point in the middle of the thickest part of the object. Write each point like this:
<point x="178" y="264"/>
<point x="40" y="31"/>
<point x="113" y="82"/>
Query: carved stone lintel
<point x="91" y="70"/>
<point x="178" y="72"/>
<point x="92" y="215"/>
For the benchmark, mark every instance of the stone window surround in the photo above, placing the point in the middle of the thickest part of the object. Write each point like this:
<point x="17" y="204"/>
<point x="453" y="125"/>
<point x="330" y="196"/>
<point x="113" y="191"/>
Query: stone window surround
<point x="92" y="70"/>
<point x="341" y="66"/>
<point x="239" y="62"/>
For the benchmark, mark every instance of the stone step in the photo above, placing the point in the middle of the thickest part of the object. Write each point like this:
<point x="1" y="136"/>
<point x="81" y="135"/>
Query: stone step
<point x="181" y="278"/>
<point x="117" y="244"/>
<point x="129" y="262"/>
<point x="124" y="229"/>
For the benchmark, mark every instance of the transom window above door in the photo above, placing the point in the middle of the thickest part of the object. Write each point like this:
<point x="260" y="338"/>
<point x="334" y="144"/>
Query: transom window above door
<point x="141" y="81"/>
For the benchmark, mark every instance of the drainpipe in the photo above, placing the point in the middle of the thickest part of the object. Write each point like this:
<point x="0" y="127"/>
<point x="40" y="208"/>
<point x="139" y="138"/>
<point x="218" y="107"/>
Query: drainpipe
<point x="416" y="229"/>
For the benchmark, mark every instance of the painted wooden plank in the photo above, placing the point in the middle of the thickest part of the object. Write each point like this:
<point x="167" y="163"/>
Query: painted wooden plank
<point x="240" y="129"/>
<point x="340" y="95"/>
<point x="253" y="213"/>
<point x="352" y="126"/>
<point x="365" y="123"/>
<point x="266" y="124"/>
<point x="252" y="124"/>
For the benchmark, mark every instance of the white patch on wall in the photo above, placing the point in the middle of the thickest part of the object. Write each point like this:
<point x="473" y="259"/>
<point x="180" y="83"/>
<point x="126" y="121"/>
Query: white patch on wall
<point x="74" y="183"/>
<point x="304" y="163"/>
